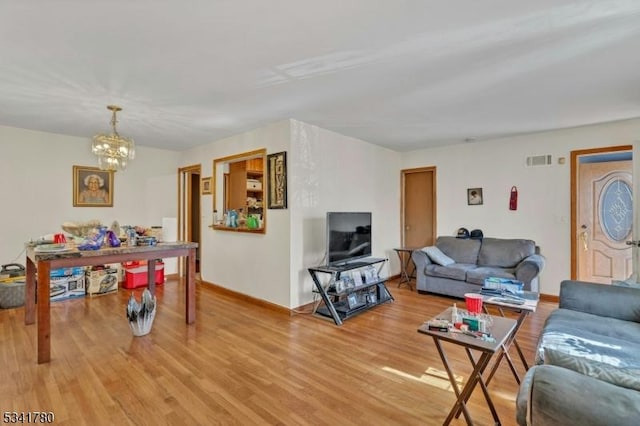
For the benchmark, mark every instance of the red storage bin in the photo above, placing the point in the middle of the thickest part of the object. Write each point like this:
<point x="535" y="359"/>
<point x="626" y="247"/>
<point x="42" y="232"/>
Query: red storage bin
<point x="136" y="276"/>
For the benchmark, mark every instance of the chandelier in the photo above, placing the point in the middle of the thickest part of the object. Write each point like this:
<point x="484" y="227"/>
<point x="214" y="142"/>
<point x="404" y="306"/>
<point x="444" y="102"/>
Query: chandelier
<point x="113" y="151"/>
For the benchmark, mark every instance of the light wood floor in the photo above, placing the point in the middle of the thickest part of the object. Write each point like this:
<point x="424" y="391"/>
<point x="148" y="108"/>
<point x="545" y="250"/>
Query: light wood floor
<point x="243" y="364"/>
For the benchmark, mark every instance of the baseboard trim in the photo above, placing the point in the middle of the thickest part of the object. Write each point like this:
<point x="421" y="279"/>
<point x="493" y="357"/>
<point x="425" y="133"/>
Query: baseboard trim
<point x="549" y="298"/>
<point x="246" y="298"/>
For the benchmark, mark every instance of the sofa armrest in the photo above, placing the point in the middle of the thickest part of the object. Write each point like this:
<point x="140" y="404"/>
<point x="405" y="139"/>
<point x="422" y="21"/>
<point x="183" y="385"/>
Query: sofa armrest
<point x="601" y="299"/>
<point x="420" y="259"/>
<point x="529" y="268"/>
<point x="552" y="395"/>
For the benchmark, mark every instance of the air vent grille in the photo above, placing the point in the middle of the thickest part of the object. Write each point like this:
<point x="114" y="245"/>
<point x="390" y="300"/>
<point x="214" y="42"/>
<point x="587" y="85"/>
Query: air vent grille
<point x="538" y="160"/>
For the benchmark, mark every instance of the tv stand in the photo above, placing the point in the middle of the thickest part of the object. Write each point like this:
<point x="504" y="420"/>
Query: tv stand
<point x="341" y="304"/>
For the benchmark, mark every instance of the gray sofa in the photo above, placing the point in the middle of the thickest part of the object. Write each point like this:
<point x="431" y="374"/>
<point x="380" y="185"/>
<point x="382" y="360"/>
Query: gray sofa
<point x="475" y="260"/>
<point x="587" y="368"/>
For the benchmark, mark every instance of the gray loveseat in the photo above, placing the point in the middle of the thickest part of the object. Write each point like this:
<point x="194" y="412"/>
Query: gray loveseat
<point x="590" y="347"/>
<point x="475" y="260"/>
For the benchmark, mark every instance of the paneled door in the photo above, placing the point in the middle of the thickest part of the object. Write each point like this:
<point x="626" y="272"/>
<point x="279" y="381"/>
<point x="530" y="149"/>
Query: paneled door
<point x="604" y="221"/>
<point x="418" y="207"/>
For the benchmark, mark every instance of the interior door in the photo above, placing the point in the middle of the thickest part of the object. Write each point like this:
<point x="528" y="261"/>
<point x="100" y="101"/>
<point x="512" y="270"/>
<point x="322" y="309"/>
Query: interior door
<point x="189" y="209"/>
<point x="605" y="221"/>
<point x="419" y="207"/>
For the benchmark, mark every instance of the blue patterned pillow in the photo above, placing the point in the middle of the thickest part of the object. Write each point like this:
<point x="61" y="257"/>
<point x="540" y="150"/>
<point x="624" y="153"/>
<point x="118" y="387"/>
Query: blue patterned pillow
<point x="437" y="256"/>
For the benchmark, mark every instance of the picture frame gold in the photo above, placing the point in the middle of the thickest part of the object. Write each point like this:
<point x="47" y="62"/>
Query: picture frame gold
<point x="92" y="187"/>
<point x="205" y="186"/>
<point x="277" y="179"/>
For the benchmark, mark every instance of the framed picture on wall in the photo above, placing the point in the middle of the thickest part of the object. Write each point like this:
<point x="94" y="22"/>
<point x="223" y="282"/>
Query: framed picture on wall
<point x="205" y="186"/>
<point x="92" y="187"/>
<point x="277" y="175"/>
<point x="474" y="196"/>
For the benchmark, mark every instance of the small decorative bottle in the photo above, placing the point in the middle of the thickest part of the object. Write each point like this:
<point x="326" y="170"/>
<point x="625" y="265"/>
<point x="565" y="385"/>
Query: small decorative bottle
<point x="454" y="314"/>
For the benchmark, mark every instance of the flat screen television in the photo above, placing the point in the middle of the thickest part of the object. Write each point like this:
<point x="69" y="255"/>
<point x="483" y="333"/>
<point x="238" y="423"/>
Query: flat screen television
<point x="348" y="236"/>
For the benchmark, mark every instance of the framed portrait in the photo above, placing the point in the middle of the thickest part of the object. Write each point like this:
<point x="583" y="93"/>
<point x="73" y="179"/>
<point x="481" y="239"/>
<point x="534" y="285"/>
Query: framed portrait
<point x="277" y="178"/>
<point x="92" y="187"/>
<point x="205" y="186"/>
<point x="474" y="196"/>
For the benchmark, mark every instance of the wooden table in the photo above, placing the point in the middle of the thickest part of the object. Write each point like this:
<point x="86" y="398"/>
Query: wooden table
<point x="44" y="262"/>
<point x="501" y="329"/>
<point x="404" y="254"/>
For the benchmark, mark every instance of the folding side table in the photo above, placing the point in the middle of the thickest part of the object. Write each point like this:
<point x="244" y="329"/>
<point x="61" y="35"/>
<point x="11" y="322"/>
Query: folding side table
<point x="501" y="330"/>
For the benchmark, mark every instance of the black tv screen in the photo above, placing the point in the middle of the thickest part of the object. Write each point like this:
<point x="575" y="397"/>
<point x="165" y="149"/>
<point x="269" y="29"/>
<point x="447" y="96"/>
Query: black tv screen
<point x="348" y="236"/>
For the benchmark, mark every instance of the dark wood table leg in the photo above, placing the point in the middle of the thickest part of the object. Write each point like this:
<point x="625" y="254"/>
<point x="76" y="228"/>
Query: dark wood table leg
<point x="190" y="289"/>
<point x="151" y="276"/>
<point x="505" y="350"/>
<point x="30" y="294"/>
<point x="44" y="313"/>
<point x="460" y="396"/>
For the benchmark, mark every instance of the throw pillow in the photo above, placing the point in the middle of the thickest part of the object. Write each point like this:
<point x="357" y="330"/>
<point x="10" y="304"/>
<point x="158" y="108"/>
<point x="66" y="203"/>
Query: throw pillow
<point x="626" y="378"/>
<point x="437" y="256"/>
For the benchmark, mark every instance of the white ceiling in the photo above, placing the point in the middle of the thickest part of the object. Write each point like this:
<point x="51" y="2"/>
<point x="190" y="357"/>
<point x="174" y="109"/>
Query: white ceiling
<point x="402" y="74"/>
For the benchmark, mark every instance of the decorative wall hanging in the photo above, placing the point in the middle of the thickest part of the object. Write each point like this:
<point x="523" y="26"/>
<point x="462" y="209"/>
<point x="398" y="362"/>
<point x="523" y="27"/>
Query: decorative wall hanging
<point x="205" y="186"/>
<point x="92" y="187"/>
<point x="474" y="196"/>
<point x="277" y="175"/>
<point x="513" y="198"/>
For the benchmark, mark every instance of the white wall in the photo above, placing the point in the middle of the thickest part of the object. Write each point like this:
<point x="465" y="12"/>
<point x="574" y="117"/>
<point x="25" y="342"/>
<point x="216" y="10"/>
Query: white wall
<point x="36" y="187"/>
<point x="544" y="192"/>
<point x="252" y="264"/>
<point x="326" y="171"/>
<point x="332" y="172"/>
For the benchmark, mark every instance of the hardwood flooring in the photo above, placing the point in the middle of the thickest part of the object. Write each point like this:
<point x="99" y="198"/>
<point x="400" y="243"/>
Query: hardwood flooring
<point x="243" y="364"/>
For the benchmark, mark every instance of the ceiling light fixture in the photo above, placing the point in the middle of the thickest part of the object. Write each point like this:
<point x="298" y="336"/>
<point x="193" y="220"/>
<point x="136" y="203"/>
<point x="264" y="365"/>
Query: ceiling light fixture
<point x="113" y="151"/>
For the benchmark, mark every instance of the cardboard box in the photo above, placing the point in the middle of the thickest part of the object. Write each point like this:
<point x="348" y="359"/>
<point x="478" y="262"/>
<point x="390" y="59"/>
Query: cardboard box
<point x="136" y="276"/>
<point x="67" y="287"/>
<point x="66" y="272"/>
<point x="102" y="281"/>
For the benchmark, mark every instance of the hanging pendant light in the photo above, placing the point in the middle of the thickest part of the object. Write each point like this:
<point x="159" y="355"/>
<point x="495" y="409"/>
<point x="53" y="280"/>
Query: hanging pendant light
<point x="113" y="151"/>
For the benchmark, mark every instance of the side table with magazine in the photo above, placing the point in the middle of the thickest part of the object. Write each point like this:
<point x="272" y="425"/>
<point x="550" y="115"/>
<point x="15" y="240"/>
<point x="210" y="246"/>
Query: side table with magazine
<point x="524" y="303"/>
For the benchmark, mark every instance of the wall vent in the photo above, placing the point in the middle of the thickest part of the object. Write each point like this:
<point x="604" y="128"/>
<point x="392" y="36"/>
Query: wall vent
<point x="538" y="160"/>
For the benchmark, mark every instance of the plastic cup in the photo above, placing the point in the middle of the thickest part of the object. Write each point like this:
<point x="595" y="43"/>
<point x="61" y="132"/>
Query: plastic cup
<point x="473" y="302"/>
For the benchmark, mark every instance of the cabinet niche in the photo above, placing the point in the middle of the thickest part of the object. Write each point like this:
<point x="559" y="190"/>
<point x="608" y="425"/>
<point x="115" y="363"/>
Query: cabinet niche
<point x="239" y="184"/>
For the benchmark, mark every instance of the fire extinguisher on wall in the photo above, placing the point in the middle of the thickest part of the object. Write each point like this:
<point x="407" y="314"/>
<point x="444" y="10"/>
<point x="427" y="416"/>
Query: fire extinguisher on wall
<point x="513" y="199"/>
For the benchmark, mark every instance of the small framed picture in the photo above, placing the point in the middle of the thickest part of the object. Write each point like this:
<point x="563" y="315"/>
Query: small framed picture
<point x="370" y="274"/>
<point x="352" y="300"/>
<point x="205" y="185"/>
<point x="357" y="278"/>
<point x="474" y="196"/>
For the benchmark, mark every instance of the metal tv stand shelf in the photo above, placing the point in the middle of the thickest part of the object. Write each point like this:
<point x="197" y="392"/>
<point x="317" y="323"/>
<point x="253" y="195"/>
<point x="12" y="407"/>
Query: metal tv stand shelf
<point x="352" y="301"/>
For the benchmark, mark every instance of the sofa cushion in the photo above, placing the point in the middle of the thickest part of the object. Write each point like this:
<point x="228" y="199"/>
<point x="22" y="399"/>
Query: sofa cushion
<point x="625" y="377"/>
<point x="460" y="250"/>
<point x="504" y="253"/>
<point x="603" y="339"/>
<point x="457" y="271"/>
<point x="478" y="275"/>
<point x="437" y="256"/>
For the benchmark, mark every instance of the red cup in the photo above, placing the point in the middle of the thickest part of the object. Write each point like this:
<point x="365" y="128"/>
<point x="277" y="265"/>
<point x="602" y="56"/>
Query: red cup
<point x="59" y="239"/>
<point x="473" y="302"/>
